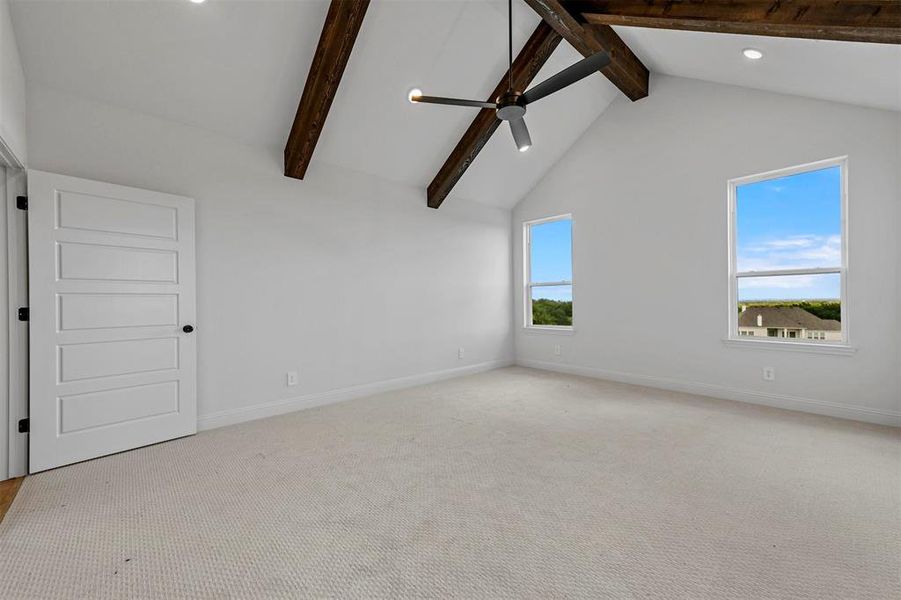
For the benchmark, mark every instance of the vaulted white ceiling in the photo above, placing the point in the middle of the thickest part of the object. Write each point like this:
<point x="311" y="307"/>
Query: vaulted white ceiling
<point x="850" y="72"/>
<point x="238" y="68"/>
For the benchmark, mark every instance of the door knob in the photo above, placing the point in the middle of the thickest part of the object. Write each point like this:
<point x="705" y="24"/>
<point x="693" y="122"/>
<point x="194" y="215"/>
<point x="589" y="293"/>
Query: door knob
<point x="188" y="328"/>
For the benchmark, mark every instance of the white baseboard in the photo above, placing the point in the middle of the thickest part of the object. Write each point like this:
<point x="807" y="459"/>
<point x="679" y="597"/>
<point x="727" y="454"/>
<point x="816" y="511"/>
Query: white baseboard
<point x="280" y="407"/>
<point x="809" y="405"/>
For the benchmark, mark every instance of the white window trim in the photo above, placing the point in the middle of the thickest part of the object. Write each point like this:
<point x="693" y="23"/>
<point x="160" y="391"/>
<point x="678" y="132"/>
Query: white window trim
<point x="527" y="273"/>
<point x="733" y="338"/>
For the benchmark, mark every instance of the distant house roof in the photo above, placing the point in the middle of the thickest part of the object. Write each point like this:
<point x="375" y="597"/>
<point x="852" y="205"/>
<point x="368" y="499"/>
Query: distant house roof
<point x="791" y="317"/>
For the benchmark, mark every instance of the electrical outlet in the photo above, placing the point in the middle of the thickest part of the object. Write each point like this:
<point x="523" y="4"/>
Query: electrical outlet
<point x="556" y="349"/>
<point x="460" y="353"/>
<point x="292" y="378"/>
<point x="769" y="374"/>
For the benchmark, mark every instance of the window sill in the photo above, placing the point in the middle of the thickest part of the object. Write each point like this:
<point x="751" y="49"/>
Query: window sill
<point x="840" y="349"/>
<point x="538" y="330"/>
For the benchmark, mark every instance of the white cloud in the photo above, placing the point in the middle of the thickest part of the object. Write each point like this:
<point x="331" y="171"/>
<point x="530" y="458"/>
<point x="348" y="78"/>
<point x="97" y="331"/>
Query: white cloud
<point x="793" y="252"/>
<point x="783" y="283"/>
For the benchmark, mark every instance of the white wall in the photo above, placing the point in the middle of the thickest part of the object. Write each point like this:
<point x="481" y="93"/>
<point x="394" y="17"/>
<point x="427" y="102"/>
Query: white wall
<point x="12" y="90"/>
<point x="346" y="278"/>
<point x="646" y="185"/>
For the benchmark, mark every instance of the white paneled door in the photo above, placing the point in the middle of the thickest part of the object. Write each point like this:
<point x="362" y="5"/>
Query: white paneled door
<point x="112" y="306"/>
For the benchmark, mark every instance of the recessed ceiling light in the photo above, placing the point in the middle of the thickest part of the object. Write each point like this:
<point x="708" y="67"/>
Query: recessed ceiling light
<point x="752" y="53"/>
<point x="414" y="93"/>
<point x="198" y="1"/>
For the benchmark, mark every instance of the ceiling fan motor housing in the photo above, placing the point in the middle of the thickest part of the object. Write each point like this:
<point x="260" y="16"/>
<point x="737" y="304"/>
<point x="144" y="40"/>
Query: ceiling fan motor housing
<point x="510" y="107"/>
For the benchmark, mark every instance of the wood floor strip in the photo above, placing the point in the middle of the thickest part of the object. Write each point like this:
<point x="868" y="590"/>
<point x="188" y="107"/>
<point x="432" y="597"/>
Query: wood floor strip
<point x="8" y="491"/>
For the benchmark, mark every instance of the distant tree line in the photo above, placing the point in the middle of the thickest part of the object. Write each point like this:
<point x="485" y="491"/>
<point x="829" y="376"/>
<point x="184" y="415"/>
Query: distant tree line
<point x="552" y="312"/>
<point x="824" y="309"/>
<point x="560" y="312"/>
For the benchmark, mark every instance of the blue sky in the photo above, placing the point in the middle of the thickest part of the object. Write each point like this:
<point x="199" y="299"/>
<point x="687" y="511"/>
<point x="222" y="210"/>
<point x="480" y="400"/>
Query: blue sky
<point x="790" y="223"/>
<point x="552" y="258"/>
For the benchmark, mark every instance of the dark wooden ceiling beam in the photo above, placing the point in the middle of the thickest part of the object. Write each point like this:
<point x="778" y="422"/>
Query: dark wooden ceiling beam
<point x="625" y="70"/>
<point x="843" y="20"/>
<point x="531" y="58"/>
<point x="342" y="24"/>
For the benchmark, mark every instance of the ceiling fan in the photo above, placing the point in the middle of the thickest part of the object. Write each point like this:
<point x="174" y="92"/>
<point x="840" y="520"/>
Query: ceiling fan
<point x="511" y="106"/>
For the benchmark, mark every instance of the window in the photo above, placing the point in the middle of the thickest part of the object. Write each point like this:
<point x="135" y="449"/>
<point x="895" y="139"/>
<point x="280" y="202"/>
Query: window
<point x="788" y="254"/>
<point x="548" y="268"/>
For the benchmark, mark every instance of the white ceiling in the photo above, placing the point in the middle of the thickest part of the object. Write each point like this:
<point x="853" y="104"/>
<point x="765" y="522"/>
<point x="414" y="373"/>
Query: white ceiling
<point x="851" y="72"/>
<point x="238" y="68"/>
<point x="449" y="49"/>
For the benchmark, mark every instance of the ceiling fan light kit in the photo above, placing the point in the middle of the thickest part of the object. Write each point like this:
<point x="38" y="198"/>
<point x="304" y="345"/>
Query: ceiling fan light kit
<point x="511" y="106"/>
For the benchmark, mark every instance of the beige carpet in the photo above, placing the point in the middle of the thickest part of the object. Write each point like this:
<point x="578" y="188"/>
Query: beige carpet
<point x="509" y="484"/>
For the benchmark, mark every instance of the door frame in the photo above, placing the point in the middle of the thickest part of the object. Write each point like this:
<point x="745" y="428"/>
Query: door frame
<point x="15" y="405"/>
<point x="17" y="339"/>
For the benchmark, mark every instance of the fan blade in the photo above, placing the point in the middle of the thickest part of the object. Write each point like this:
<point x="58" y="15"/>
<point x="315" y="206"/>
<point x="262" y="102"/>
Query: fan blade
<point x="567" y="76"/>
<point x="521" y="134"/>
<point x="452" y="101"/>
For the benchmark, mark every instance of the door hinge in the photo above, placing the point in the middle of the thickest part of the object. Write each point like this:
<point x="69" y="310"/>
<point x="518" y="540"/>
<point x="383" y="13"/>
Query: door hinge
<point x="23" y="425"/>
<point x="22" y="202"/>
<point x="23" y="313"/>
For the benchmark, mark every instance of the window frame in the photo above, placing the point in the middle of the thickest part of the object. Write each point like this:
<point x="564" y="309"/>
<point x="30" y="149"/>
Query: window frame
<point x="799" y="343"/>
<point x="528" y="284"/>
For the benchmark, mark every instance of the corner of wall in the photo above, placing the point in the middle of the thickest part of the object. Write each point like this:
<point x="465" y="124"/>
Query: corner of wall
<point x="13" y="146"/>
